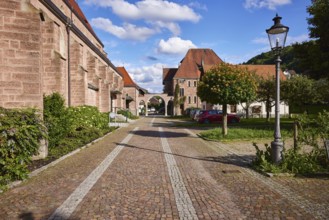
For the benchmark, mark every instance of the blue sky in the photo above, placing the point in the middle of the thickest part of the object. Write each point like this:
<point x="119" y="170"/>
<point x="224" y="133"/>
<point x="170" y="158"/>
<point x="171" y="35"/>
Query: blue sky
<point x="146" y="35"/>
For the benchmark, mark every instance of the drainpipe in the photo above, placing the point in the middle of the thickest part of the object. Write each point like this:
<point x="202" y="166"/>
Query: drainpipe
<point x="68" y="29"/>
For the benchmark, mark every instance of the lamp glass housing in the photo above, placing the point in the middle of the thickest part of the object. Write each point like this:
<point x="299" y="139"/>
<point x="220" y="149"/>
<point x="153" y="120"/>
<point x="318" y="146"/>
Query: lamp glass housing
<point x="277" y="34"/>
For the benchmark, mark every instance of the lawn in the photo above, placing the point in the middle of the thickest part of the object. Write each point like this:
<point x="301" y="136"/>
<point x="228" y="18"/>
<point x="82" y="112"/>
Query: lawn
<point x="250" y="129"/>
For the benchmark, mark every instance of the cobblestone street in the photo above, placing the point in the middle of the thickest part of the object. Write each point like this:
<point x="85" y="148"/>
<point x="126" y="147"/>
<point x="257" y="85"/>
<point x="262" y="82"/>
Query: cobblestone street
<point x="151" y="170"/>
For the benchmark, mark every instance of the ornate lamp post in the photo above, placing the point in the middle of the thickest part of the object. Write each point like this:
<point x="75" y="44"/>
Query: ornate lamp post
<point x="277" y="35"/>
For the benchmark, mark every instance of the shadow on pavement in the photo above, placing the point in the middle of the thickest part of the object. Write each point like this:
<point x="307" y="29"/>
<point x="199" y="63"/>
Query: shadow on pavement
<point x="241" y="161"/>
<point x="26" y="216"/>
<point x="167" y="134"/>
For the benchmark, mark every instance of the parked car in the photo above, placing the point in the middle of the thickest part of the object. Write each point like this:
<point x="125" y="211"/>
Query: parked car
<point x="216" y="116"/>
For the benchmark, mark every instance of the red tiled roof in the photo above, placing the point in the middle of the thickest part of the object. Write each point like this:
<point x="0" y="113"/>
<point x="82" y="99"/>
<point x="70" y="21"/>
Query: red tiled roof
<point x="82" y="17"/>
<point x="265" y="71"/>
<point x="128" y="82"/>
<point x="193" y="60"/>
<point x="168" y="74"/>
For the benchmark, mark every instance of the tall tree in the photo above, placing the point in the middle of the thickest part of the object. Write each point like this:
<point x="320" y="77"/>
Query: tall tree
<point x="314" y="55"/>
<point x="300" y="90"/>
<point x="266" y="93"/>
<point x="226" y="84"/>
<point x="319" y="23"/>
<point x="178" y="99"/>
<point x="321" y="86"/>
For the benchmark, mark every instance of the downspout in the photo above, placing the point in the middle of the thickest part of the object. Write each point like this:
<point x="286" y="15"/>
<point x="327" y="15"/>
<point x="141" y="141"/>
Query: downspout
<point x="68" y="29"/>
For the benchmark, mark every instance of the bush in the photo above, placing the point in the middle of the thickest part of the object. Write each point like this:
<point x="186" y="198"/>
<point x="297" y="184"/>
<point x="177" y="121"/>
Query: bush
<point x="312" y="133"/>
<point x="75" y="140"/>
<point x="73" y="127"/>
<point x="56" y="118"/>
<point x="127" y="114"/>
<point x="20" y="135"/>
<point x="87" y="116"/>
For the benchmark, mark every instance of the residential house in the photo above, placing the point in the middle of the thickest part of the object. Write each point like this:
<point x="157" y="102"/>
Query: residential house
<point x="131" y="92"/>
<point x="258" y="109"/>
<point x="49" y="46"/>
<point x="194" y="65"/>
<point x="188" y="75"/>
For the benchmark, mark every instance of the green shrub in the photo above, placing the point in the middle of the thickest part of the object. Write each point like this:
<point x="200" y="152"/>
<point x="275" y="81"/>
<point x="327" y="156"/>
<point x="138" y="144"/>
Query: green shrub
<point x="73" y="127"/>
<point x="127" y="114"/>
<point x="87" y="116"/>
<point x="312" y="133"/>
<point x="56" y="118"/>
<point x="296" y="162"/>
<point x="75" y="140"/>
<point x="20" y="134"/>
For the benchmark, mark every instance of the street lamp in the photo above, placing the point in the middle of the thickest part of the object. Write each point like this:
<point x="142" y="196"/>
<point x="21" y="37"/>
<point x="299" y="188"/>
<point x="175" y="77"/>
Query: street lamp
<point x="277" y="35"/>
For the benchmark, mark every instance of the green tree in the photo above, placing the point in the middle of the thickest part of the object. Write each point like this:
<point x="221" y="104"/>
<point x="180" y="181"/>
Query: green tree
<point x="319" y="23"/>
<point x="309" y="59"/>
<point x="227" y="84"/>
<point x="321" y="86"/>
<point x="314" y="55"/>
<point x="266" y="94"/>
<point x="178" y="99"/>
<point x="300" y="90"/>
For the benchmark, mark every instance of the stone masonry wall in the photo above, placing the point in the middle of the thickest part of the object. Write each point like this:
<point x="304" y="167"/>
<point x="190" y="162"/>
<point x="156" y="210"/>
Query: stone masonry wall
<point x="34" y="58"/>
<point x="133" y="93"/>
<point x="20" y="54"/>
<point x="189" y="91"/>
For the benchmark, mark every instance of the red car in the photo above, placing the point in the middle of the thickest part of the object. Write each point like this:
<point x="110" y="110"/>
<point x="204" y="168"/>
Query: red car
<point x="216" y="116"/>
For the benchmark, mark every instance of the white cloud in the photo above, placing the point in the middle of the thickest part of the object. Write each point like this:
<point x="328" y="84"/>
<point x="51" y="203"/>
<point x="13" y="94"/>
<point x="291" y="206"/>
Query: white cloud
<point x="151" y="10"/>
<point x="175" y="45"/>
<point x="148" y="77"/>
<point x="270" y="4"/>
<point x="171" y="26"/>
<point x="127" y="31"/>
<point x="297" y="39"/>
<point x="198" y="5"/>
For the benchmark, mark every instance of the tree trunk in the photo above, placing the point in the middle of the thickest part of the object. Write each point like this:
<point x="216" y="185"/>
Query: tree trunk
<point x="268" y="109"/>
<point x="224" y="121"/>
<point x="295" y="136"/>
<point x="247" y="111"/>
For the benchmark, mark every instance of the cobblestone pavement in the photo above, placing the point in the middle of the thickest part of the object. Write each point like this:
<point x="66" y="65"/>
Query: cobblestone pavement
<point x="150" y="170"/>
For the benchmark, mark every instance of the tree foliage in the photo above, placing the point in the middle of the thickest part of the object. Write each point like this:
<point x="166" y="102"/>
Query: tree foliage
<point x="319" y="23"/>
<point x="300" y="90"/>
<point x="21" y="131"/>
<point x="266" y="93"/>
<point x="309" y="58"/>
<point x="178" y="100"/>
<point x="289" y="60"/>
<point x="227" y="84"/>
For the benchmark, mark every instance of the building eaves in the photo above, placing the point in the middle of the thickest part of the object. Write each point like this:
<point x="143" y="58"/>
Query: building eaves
<point x="75" y="8"/>
<point x="128" y="82"/>
<point x="60" y="15"/>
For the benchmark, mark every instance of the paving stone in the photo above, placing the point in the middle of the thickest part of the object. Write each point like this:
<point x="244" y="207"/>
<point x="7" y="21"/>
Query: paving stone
<point x="211" y="180"/>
